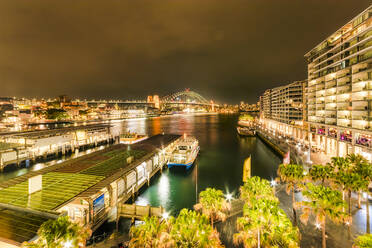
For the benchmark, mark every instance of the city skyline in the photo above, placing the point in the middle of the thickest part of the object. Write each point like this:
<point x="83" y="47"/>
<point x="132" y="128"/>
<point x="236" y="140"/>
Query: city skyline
<point x="226" y="51"/>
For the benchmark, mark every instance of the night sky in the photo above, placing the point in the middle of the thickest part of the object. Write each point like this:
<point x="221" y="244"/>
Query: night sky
<point x="228" y="50"/>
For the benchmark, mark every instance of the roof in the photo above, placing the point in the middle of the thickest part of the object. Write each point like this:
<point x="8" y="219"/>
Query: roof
<point x="7" y="146"/>
<point x="57" y="188"/>
<point x="155" y="142"/>
<point x="17" y="227"/>
<point x="151" y="145"/>
<point x="54" y="131"/>
<point x="340" y="29"/>
<point x="87" y="174"/>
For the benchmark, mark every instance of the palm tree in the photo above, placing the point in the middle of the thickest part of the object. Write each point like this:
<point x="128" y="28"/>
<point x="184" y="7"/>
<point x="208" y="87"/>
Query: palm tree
<point x="58" y="233"/>
<point x="351" y="181"/>
<point x="264" y="224"/>
<point x="256" y="188"/>
<point x="363" y="241"/>
<point x="323" y="202"/>
<point x="212" y="203"/>
<point x="339" y="163"/>
<point x="192" y="229"/>
<point x="151" y="234"/>
<point x="356" y="161"/>
<point x="320" y="172"/>
<point x="365" y="171"/>
<point x="292" y="174"/>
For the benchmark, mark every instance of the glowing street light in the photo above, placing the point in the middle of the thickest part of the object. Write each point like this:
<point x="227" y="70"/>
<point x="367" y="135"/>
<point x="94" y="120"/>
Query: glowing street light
<point x="165" y="215"/>
<point x="317" y="225"/>
<point x="68" y="244"/>
<point x="273" y="183"/>
<point x="229" y="197"/>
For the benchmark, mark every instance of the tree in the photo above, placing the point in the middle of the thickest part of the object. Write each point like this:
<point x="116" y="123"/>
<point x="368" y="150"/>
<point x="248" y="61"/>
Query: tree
<point x="256" y="188"/>
<point x="351" y="181"/>
<point x="323" y="202"/>
<point x="212" y="203"/>
<point x="265" y="224"/>
<point x="365" y="171"/>
<point x="151" y="234"/>
<point x="192" y="229"/>
<point x="363" y="241"/>
<point x="339" y="163"/>
<point x="320" y="172"/>
<point x="246" y="117"/>
<point x="58" y="233"/>
<point x="356" y="161"/>
<point x="292" y="174"/>
<point x="56" y="114"/>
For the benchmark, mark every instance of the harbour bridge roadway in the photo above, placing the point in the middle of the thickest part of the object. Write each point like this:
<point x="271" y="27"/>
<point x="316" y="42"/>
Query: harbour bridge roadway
<point x="186" y="97"/>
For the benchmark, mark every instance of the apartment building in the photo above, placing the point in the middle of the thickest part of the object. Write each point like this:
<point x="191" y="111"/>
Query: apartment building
<point x="339" y="92"/>
<point x="284" y="104"/>
<point x="266" y="104"/>
<point x="287" y="103"/>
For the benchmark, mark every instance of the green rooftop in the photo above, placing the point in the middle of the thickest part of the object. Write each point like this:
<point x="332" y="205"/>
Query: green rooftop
<point x="57" y="189"/>
<point x="63" y="184"/>
<point x="117" y="160"/>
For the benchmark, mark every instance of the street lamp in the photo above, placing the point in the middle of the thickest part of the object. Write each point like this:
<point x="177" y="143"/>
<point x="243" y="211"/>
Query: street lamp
<point x="229" y="197"/>
<point x="273" y="183"/>
<point x="68" y="244"/>
<point x="317" y="225"/>
<point x="165" y="215"/>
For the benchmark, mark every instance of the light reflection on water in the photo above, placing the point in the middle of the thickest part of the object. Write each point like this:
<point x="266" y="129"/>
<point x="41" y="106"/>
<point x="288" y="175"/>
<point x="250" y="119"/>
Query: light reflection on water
<point x="219" y="164"/>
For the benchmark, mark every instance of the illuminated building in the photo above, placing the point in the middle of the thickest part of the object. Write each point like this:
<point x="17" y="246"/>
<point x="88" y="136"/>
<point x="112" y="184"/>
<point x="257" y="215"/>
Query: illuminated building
<point x="339" y="89"/>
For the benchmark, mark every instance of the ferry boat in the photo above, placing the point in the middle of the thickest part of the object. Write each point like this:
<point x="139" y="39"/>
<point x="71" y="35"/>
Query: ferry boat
<point x="246" y="131"/>
<point x="131" y="138"/>
<point x="185" y="152"/>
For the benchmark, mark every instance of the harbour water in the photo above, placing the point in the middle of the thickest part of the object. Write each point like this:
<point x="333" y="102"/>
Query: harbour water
<point x="219" y="164"/>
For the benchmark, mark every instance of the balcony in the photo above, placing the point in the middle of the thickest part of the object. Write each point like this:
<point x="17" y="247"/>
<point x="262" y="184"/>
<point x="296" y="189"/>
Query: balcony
<point x="344" y="80"/>
<point x="344" y="122"/>
<point x="344" y="90"/>
<point x="362" y="76"/>
<point x="330" y="84"/>
<point x="330" y="121"/>
<point x="330" y="99"/>
<point x="362" y="124"/>
<point x="362" y="86"/>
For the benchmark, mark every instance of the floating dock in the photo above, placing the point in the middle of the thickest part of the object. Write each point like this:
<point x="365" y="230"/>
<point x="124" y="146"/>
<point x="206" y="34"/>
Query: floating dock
<point x="89" y="189"/>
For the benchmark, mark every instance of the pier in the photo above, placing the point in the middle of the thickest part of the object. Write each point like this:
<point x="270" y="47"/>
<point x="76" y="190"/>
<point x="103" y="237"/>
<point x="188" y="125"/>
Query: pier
<point x="134" y="211"/>
<point x="90" y="189"/>
<point x="18" y="147"/>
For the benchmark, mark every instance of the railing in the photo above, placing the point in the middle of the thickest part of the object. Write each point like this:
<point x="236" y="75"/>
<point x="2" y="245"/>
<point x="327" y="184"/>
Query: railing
<point x="136" y="211"/>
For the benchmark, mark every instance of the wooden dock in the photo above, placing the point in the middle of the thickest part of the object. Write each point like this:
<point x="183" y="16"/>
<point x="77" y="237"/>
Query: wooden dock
<point x="139" y="212"/>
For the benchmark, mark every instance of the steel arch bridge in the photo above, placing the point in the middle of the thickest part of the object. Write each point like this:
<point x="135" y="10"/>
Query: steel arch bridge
<point x="176" y="98"/>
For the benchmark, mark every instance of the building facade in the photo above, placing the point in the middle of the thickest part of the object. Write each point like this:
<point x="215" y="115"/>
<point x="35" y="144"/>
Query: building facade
<point x="339" y="91"/>
<point x="284" y="104"/>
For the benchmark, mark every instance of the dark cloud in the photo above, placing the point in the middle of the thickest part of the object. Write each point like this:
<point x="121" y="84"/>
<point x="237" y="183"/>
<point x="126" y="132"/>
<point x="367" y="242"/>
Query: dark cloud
<point x="228" y="50"/>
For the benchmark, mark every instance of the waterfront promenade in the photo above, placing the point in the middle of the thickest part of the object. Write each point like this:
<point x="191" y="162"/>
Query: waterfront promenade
<point x="298" y="151"/>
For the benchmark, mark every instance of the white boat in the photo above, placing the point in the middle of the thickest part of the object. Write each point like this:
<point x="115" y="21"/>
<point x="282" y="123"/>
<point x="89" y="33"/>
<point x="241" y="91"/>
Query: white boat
<point x="185" y="153"/>
<point x="132" y="138"/>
